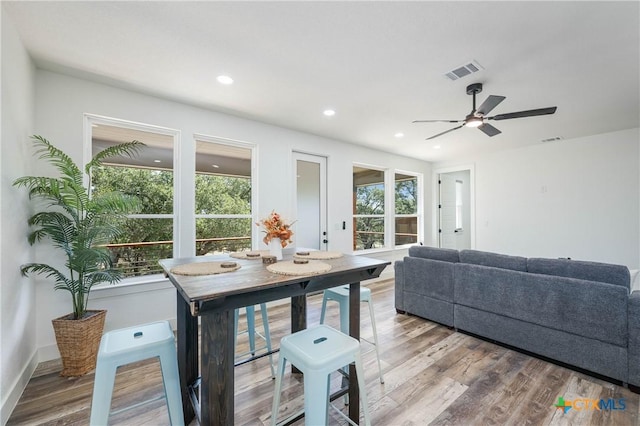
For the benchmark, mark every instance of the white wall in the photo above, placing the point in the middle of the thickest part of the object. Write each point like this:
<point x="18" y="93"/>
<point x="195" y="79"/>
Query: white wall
<point x="62" y="100"/>
<point x="575" y="198"/>
<point x="17" y="299"/>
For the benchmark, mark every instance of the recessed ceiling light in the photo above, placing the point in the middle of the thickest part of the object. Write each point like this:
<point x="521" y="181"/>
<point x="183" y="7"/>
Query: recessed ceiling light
<point x="157" y="161"/>
<point x="224" y="79"/>
<point x="399" y="135"/>
<point x="215" y="166"/>
<point x="329" y="112"/>
<point x="436" y="147"/>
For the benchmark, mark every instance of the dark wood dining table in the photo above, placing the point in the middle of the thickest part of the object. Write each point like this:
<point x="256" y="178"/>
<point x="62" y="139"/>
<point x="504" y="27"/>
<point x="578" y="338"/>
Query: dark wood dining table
<point x="213" y="299"/>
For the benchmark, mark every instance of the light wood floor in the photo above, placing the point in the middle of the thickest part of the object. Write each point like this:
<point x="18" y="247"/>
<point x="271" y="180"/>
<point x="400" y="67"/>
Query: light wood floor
<point x="433" y="375"/>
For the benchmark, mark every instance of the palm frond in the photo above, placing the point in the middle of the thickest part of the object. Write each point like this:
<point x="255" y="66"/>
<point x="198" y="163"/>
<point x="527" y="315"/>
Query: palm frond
<point x="115" y="203"/>
<point x="128" y="149"/>
<point x="58" y="191"/>
<point x="110" y="276"/>
<point x="61" y="161"/>
<point x="46" y="270"/>
<point x="61" y="229"/>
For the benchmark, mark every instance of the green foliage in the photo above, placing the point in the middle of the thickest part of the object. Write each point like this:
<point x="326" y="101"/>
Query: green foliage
<point x="219" y="195"/>
<point x="370" y="201"/>
<point x="75" y="222"/>
<point x="407" y="196"/>
<point x="222" y="195"/>
<point x="369" y="230"/>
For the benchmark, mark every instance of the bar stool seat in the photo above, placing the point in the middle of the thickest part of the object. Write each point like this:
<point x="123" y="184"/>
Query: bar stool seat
<point x="317" y="352"/>
<point x="340" y="294"/>
<point x="127" y="345"/>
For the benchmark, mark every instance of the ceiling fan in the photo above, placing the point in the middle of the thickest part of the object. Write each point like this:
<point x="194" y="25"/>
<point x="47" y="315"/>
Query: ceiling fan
<point x="477" y="117"/>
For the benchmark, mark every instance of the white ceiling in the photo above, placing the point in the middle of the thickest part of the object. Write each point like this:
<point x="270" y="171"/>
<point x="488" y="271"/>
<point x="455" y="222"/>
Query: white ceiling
<point x="380" y="65"/>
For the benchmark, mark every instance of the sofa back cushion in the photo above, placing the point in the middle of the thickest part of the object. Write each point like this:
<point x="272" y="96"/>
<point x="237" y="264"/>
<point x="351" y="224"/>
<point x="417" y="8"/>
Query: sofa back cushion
<point x="585" y="308"/>
<point x="442" y="254"/>
<point x="485" y="258"/>
<point x="432" y="278"/>
<point x="591" y="271"/>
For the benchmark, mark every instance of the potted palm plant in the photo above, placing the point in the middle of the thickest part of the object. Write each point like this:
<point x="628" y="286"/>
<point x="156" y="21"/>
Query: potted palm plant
<point x="79" y="225"/>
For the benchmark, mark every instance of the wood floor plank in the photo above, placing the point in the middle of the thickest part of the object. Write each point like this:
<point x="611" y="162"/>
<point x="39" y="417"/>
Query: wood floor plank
<point x="483" y="392"/>
<point x="433" y="375"/>
<point x="538" y="406"/>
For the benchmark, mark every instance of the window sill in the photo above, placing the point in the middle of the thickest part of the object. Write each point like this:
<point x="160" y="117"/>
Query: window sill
<point x="131" y="286"/>
<point x="381" y="250"/>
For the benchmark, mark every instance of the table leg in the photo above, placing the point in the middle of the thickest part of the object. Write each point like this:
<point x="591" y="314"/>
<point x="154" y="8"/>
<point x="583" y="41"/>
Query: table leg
<point x="187" y="337"/>
<point x="354" y="331"/>
<point x="216" y="369"/>
<point x="298" y="317"/>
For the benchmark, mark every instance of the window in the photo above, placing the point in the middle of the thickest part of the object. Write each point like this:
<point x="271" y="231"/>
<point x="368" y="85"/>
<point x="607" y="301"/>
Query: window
<point x="223" y="197"/>
<point x="148" y="235"/>
<point x="459" y="205"/>
<point x="223" y="193"/>
<point x="406" y="209"/>
<point x="368" y="208"/>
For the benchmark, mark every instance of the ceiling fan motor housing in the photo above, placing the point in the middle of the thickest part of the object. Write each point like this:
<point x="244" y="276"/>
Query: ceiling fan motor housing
<point x="474" y="89"/>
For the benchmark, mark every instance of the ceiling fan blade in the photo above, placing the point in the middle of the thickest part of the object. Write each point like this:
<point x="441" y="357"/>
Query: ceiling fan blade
<point x="489" y="130"/>
<point x="522" y="114"/>
<point x="437" y="121"/>
<point x="447" y="131"/>
<point x="490" y="103"/>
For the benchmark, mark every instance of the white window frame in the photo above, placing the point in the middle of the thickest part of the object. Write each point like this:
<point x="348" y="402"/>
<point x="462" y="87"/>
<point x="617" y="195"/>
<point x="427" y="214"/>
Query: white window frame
<point x="254" y="184"/>
<point x="419" y="207"/>
<point x="384" y="216"/>
<point x="89" y="120"/>
<point x="389" y="215"/>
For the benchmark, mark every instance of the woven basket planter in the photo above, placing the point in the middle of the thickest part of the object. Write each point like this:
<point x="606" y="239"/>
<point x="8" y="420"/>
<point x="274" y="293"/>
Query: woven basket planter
<point x="78" y="342"/>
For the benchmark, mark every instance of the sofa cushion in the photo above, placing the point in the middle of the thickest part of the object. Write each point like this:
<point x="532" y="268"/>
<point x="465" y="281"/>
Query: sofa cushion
<point x="432" y="278"/>
<point x="485" y="258"/>
<point x="599" y="357"/>
<point x="591" y="271"/>
<point x="586" y="308"/>
<point x="445" y="255"/>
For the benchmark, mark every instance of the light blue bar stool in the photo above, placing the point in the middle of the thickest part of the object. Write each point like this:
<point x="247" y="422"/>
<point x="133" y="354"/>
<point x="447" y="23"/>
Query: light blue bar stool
<point x="317" y="352"/>
<point x="251" y="331"/>
<point x="127" y="345"/>
<point x="340" y="294"/>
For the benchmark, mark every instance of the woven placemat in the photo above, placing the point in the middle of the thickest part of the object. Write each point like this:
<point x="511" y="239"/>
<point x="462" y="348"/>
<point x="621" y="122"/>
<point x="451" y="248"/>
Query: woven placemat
<point x="290" y="268"/>
<point x="319" y="255"/>
<point x="243" y="254"/>
<point x="202" y="268"/>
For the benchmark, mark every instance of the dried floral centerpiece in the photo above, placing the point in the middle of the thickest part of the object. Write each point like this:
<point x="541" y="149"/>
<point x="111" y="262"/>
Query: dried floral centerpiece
<point x="275" y="227"/>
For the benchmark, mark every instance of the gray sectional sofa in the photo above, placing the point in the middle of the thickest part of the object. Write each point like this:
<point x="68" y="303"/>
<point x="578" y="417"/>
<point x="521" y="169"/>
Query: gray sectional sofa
<point x="579" y="313"/>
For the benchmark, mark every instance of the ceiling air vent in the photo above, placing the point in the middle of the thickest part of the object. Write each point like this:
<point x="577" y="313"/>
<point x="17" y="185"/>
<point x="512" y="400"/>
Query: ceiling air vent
<point x="464" y="70"/>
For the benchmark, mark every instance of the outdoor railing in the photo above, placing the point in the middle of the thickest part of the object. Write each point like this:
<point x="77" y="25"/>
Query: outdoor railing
<point x="141" y="258"/>
<point x="375" y="239"/>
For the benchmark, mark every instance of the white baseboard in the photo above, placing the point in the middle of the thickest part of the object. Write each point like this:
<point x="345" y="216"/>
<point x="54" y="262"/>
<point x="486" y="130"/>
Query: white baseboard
<point x="17" y="387"/>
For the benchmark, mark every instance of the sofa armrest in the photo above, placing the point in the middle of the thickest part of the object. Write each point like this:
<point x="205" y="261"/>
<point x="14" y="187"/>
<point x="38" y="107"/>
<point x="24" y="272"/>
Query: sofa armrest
<point x="399" y="285"/>
<point x="634" y="338"/>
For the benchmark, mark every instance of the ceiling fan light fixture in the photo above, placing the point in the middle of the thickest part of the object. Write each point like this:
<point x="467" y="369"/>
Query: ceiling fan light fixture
<point x="473" y="122"/>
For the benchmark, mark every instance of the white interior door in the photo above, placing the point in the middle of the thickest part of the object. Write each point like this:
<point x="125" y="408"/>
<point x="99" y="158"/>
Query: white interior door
<point x="447" y="211"/>
<point x="310" y="183"/>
